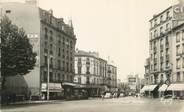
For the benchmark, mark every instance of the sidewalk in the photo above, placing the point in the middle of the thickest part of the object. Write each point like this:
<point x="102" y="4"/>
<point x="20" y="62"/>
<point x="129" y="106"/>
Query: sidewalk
<point x="40" y="102"/>
<point x="21" y="103"/>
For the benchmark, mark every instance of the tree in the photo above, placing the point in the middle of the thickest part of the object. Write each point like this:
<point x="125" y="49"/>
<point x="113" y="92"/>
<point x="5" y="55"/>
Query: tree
<point x="17" y="56"/>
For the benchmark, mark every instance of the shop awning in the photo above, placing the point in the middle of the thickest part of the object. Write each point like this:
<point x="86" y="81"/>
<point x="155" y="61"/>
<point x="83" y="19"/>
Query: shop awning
<point x="163" y="87"/>
<point x="176" y="87"/>
<point x="152" y="87"/>
<point x="148" y="88"/>
<point x="68" y="84"/>
<point x="80" y="86"/>
<point x="53" y="87"/>
<point x="144" y="89"/>
<point x="16" y="85"/>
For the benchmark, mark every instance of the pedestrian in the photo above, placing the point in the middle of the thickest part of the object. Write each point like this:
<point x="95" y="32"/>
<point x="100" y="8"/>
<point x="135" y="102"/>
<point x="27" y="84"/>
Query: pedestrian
<point x="118" y="94"/>
<point x="103" y="95"/>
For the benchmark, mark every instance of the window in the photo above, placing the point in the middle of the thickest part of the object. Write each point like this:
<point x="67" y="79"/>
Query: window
<point x="167" y="64"/>
<point x="45" y="43"/>
<point x="45" y="76"/>
<point x="79" y="69"/>
<point x="51" y="77"/>
<point x="79" y="80"/>
<point x="87" y="80"/>
<point x="71" y="78"/>
<point x="45" y="50"/>
<point x="151" y="47"/>
<point x="51" y="47"/>
<point x="167" y="26"/>
<point x="46" y="31"/>
<point x="161" y="66"/>
<point x="79" y="61"/>
<point x="155" y="22"/>
<point x="178" y="64"/>
<point x="161" y="19"/>
<point x="87" y="61"/>
<point x="59" y="64"/>
<point x="67" y="67"/>
<point x="178" y="37"/>
<point x="51" y="62"/>
<point x="168" y="15"/>
<point x="151" y="23"/>
<point x="178" y="76"/>
<point x="51" y="34"/>
<point x="45" y="60"/>
<point x="183" y="62"/>
<point x="59" y="52"/>
<point x="151" y="36"/>
<point x="177" y="49"/>
<point x="161" y="42"/>
<point x="8" y="11"/>
<point x="161" y="77"/>
<point x="182" y="35"/>
<point x="63" y="66"/>
<point x="161" y="30"/>
<point x="155" y="33"/>
<point x="87" y="70"/>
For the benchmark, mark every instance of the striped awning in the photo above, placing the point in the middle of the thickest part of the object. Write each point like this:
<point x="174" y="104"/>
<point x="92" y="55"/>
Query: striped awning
<point x="163" y="87"/>
<point x="176" y="87"/>
<point x="148" y="88"/>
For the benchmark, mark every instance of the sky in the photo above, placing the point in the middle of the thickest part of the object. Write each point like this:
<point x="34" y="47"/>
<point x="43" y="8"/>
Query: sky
<point x="118" y="29"/>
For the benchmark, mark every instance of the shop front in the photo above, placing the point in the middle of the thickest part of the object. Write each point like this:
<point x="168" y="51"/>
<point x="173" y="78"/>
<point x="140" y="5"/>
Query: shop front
<point x="68" y="90"/>
<point x="150" y="91"/>
<point x="177" y="90"/>
<point x="55" y="91"/>
<point x="162" y="90"/>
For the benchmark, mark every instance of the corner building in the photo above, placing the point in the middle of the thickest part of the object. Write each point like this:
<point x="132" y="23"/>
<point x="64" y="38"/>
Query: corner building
<point x="90" y="71"/>
<point x="163" y="67"/>
<point x="53" y="41"/>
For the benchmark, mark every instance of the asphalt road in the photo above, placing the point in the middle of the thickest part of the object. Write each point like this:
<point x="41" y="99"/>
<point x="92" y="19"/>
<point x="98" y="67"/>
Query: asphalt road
<point x="126" y="104"/>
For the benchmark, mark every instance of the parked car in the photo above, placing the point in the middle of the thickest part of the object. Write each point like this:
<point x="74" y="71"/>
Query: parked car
<point x="122" y="95"/>
<point x="108" y="95"/>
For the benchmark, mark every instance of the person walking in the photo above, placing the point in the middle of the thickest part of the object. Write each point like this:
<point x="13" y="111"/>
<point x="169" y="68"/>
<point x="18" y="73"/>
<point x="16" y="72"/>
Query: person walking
<point x="103" y="95"/>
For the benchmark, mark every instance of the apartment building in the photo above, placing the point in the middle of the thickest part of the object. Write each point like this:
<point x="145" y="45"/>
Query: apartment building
<point x="54" y="42"/>
<point x="90" y="71"/>
<point x="164" y="66"/>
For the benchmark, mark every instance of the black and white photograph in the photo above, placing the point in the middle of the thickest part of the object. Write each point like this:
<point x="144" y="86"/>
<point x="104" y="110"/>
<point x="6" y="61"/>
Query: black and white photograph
<point x="91" y="55"/>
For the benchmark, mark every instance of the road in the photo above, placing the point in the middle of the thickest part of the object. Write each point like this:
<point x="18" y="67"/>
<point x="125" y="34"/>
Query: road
<point x="126" y="104"/>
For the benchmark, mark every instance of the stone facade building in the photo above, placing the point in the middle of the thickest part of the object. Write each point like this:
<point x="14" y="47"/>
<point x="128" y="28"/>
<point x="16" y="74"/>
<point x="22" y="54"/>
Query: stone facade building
<point x="53" y="40"/>
<point x="164" y="67"/>
<point x="90" y="71"/>
<point x="94" y="73"/>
